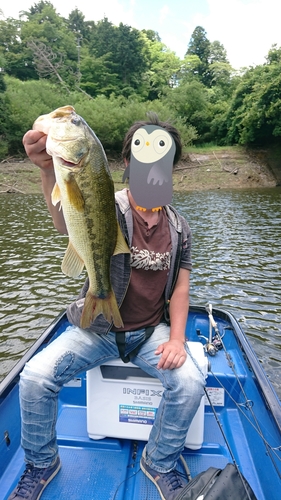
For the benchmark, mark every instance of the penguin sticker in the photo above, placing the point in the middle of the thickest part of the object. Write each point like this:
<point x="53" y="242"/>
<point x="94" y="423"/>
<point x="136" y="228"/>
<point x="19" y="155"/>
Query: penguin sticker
<point x="151" y="166"/>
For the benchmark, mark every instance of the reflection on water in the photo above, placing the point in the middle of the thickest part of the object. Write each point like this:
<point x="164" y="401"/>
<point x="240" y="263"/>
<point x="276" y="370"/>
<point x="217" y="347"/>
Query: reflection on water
<point x="236" y="258"/>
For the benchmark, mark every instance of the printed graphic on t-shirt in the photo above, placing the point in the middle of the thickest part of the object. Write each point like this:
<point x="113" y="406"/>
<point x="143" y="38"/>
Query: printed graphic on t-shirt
<point x="146" y="259"/>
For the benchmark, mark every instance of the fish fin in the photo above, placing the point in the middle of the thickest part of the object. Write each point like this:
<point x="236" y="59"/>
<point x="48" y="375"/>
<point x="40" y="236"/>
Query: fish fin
<point x="72" y="264"/>
<point x="56" y="194"/>
<point x="43" y="124"/>
<point x="74" y="194"/>
<point x="121" y="245"/>
<point x="93" y="306"/>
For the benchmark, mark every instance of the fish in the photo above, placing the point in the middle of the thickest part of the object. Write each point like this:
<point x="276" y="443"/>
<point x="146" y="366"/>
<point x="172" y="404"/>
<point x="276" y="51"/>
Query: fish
<point x="85" y="190"/>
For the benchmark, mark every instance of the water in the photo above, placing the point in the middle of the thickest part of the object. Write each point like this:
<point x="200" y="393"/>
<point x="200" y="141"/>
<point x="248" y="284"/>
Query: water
<point x="236" y="259"/>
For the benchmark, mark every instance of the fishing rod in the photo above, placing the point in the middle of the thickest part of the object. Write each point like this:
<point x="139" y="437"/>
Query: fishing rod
<point x="214" y="343"/>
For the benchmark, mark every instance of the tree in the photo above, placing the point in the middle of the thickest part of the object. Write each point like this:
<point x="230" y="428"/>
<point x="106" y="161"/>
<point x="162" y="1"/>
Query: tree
<point x="45" y="26"/>
<point x="200" y="46"/>
<point x="97" y="75"/>
<point x="124" y="48"/>
<point x="208" y="54"/>
<point x="274" y="55"/>
<point x="76" y="23"/>
<point x="26" y="101"/>
<point x="38" y="8"/>
<point x="128" y="56"/>
<point x="221" y="76"/>
<point x="217" y="53"/>
<point x="18" y="62"/>
<point x="189" y="68"/>
<point x="162" y="66"/>
<point x="151" y="35"/>
<point x="190" y="102"/>
<point x="255" y="112"/>
<point x="46" y="61"/>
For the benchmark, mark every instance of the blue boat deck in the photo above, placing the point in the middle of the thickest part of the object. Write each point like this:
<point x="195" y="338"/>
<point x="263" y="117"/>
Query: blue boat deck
<point x="109" y="468"/>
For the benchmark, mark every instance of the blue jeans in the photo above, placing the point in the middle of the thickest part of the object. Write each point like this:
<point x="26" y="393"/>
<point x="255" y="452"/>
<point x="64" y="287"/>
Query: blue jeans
<point x="77" y="350"/>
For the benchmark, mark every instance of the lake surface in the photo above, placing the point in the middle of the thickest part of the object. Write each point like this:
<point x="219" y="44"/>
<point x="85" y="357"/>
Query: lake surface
<point x="236" y="259"/>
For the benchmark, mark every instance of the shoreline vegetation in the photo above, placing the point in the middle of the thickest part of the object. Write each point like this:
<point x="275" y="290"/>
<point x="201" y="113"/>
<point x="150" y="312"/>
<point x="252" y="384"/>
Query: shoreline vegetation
<point x="199" y="169"/>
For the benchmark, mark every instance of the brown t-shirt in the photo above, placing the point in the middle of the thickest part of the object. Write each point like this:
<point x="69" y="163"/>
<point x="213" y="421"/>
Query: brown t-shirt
<point x="150" y="262"/>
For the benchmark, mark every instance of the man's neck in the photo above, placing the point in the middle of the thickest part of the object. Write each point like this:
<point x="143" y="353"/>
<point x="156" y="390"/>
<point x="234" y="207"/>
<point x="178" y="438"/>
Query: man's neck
<point x="150" y="217"/>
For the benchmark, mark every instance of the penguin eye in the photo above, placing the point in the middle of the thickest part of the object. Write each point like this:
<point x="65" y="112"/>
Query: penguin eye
<point x="161" y="143"/>
<point x="137" y="142"/>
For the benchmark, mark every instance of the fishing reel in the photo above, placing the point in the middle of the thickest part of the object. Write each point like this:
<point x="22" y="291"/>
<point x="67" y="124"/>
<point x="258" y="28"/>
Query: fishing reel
<point x="213" y="342"/>
<point x="214" y="346"/>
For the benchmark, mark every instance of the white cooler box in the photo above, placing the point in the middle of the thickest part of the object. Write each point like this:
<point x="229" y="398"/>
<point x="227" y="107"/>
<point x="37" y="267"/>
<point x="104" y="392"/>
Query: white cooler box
<point x="122" y="401"/>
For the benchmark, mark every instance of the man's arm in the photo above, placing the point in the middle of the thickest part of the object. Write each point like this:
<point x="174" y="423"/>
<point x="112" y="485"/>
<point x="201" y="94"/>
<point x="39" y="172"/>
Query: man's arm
<point x="35" y="146"/>
<point x="173" y="353"/>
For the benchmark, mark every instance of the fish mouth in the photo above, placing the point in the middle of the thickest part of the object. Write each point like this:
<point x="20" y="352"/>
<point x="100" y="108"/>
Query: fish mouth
<point x="69" y="164"/>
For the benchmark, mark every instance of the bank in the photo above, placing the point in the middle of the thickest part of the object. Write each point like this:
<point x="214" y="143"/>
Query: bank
<point x="199" y="169"/>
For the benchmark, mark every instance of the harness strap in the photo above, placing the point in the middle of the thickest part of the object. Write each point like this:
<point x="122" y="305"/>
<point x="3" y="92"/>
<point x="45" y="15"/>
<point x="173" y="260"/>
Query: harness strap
<point x="121" y="344"/>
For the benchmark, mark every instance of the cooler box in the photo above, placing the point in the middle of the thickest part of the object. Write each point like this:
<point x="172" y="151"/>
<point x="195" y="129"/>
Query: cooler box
<point x="122" y="401"/>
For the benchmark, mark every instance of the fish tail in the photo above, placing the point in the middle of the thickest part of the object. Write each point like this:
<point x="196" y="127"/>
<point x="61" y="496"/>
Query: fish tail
<point x="94" y="306"/>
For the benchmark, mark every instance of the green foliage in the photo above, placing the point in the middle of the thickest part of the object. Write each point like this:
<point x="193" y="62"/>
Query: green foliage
<point x="206" y="60"/>
<point x="163" y="65"/>
<point x="46" y="27"/>
<point x="111" y="118"/>
<point x="114" y="75"/>
<point x="4" y="125"/>
<point x="254" y="114"/>
<point x="199" y="46"/>
<point x="217" y="53"/>
<point x="28" y="100"/>
<point x="190" y="102"/>
<point x="97" y="75"/>
<point x="123" y="47"/>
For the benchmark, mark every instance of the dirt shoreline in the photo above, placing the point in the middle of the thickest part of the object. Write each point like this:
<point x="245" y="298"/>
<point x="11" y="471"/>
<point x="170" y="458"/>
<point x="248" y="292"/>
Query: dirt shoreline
<point x="230" y="168"/>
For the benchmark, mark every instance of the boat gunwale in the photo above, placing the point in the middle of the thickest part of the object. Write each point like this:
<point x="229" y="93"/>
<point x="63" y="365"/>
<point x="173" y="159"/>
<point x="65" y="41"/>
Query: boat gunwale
<point x="12" y="378"/>
<point x="267" y="391"/>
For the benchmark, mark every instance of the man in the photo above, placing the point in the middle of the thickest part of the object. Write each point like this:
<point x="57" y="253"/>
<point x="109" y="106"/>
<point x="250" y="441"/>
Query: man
<point x="153" y="297"/>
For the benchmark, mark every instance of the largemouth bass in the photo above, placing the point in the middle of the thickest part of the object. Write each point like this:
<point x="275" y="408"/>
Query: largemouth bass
<point x="85" y="189"/>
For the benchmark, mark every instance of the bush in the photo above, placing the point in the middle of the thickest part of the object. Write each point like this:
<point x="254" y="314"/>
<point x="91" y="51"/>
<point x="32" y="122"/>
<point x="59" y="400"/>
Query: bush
<point x="28" y="100"/>
<point x="110" y="118"/>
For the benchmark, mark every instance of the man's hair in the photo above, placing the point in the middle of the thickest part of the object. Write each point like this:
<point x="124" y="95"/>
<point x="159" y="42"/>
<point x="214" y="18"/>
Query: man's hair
<point x="153" y="120"/>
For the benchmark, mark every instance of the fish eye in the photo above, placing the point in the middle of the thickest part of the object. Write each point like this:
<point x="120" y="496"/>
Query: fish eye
<point x="76" y="120"/>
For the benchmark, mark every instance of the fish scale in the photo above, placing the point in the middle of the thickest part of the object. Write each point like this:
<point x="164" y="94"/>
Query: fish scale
<point x="85" y="189"/>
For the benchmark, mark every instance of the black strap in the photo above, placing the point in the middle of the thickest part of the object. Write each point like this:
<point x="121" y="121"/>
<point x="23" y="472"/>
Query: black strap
<point x="121" y="344"/>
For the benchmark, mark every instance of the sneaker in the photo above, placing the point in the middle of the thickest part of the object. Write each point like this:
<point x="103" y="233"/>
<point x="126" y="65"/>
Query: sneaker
<point x="169" y="484"/>
<point x="34" y="481"/>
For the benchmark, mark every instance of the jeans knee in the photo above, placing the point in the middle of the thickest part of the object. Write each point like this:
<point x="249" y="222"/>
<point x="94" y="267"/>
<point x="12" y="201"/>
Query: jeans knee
<point x="186" y="385"/>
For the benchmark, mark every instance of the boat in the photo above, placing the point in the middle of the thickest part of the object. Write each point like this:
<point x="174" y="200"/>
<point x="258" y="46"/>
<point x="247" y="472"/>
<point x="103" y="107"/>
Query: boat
<point x="241" y="421"/>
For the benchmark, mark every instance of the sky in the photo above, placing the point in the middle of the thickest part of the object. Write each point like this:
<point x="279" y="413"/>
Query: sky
<point x="246" y="28"/>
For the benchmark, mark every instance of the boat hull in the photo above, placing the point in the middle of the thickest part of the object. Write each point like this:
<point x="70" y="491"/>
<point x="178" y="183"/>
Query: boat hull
<point x="245" y="428"/>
